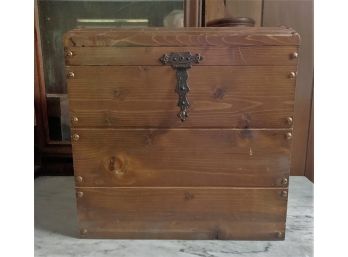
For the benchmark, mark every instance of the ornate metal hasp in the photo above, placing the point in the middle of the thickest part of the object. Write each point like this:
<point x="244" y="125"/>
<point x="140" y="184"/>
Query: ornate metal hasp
<point x="181" y="62"/>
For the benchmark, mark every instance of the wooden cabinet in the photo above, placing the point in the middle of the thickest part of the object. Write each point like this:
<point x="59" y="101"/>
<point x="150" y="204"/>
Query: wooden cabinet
<point x="52" y="19"/>
<point x="182" y="133"/>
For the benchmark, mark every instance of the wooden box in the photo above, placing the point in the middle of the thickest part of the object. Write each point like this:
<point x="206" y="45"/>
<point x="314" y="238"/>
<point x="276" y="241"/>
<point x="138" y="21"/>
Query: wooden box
<point x="182" y="133"/>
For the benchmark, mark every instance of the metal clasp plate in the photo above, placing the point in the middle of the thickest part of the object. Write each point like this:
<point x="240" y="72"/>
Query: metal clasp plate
<point x="181" y="62"/>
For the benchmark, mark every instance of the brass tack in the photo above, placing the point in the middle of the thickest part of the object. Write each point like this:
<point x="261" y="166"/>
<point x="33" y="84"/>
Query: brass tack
<point x="75" y="137"/>
<point x="292" y="75"/>
<point x="284" y="181"/>
<point x="284" y="193"/>
<point x="70" y="75"/>
<point x="79" y="179"/>
<point x="289" y="120"/>
<point x="74" y="119"/>
<point x="69" y="53"/>
<point x="84" y="231"/>
<point x="79" y="194"/>
<point x="288" y="135"/>
<point x="294" y="55"/>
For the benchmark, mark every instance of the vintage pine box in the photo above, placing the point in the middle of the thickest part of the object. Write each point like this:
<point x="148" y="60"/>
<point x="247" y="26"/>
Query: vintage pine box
<point x="182" y="133"/>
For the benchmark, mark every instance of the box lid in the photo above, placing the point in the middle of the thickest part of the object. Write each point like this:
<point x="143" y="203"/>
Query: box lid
<point x="224" y="37"/>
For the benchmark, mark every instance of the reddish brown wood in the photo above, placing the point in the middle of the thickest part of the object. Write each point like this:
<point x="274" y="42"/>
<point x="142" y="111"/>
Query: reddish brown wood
<point x="125" y="96"/>
<point x="181" y="157"/>
<point x="258" y="55"/>
<point x="141" y="173"/>
<point x="156" y="37"/>
<point x="186" y="213"/>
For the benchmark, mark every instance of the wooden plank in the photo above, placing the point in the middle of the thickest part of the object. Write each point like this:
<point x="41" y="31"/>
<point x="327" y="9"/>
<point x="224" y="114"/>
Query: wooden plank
<point x="182" y="213"/>
<point x="181" y="157"/>
<point x="237" y="97"/>
<point x="266" y="55"/>
<point x="181" y="37"/>
<point x="298" y="15"/>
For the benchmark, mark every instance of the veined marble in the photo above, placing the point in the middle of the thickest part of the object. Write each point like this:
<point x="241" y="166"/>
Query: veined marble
<point x="56" y="231"/>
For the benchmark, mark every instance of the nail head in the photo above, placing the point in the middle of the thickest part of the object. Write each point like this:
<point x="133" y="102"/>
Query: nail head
<point x="75" y="137"/>
<point x="70" y="75"/>
<point x="292" y="75"/>
<point x="294" y="55"/>
<point x="284" y="181"/>
<point x="288" y="135"/>
<point x="79" y="179"/>
<point x="289" y="120"/>
<point x="79" y="194"/>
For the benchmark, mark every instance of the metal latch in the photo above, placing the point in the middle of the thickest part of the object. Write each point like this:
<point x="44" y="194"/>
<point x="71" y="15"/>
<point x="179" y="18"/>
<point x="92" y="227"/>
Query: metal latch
<point x="181" y="62"/>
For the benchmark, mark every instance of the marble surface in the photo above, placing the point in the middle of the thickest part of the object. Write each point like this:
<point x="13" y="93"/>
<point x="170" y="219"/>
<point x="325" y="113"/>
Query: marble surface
<point x="56" y="232"/>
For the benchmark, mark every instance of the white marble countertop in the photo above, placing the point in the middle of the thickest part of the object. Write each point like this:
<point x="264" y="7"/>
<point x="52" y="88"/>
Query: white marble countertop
<point x="56" y="232"/>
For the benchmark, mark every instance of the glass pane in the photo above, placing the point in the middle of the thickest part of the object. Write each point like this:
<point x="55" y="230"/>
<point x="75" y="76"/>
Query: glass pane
<point x="57" y="17"/>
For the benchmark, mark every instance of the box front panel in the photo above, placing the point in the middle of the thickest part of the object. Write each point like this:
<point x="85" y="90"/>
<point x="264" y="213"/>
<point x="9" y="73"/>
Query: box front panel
<point x="219" y="56"/>
<point x="144" y="96"/>
<point x="143" y="173"/>
<point x="183" y="37"/>
<point x="185" y="213"/>
<point x="182" y="157"/>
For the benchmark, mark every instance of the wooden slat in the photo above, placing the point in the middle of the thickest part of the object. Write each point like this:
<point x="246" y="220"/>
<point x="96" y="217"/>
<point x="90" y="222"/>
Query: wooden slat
<point x="255" y="97"/>
<point x="181" y="37"/>
<point x="181" y="157"/>
<point x="266" y="55"/>
<point x="182" y="213"/>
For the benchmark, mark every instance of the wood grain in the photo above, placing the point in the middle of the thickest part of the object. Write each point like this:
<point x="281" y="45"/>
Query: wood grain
<point x="181" y="157"/>
<point x="180" y="37"/>
<point x="141" y="173"/>
<point x="237" y="97"/>
<point x="299" y="15"/>
<point x="182" y="213"/>
<point x="266" y="55"/>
